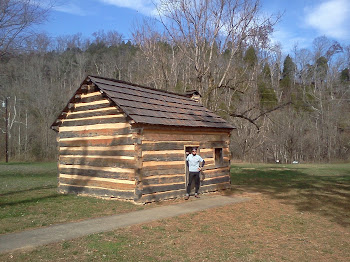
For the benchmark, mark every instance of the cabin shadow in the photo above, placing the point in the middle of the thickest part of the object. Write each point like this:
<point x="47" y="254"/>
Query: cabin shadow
<point x="30" y="200"/>
<point x="74" y="186"/>
<point x="27" y="190"/>
<point x="104" y="159"/>
<point x="328" y="196"/>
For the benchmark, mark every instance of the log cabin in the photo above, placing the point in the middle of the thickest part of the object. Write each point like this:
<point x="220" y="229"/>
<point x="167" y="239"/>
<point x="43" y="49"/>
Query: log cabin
<point x="127" y="141"/>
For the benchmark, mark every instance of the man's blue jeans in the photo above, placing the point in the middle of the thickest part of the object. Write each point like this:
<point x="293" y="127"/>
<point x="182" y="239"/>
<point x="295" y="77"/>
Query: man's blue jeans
<point x="196" y="177"/>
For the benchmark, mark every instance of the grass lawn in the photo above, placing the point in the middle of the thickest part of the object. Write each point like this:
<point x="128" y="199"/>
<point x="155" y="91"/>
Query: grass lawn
<point x="29" y="198"/>
<point x="320" y="189"/>
<point x="296" y="213"/>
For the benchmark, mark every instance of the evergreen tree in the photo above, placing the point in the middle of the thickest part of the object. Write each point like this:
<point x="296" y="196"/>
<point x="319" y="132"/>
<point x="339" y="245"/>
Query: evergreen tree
<point x="345" y="75"/>
<point x="288" y="68"/>
<point x="250" y="57"/>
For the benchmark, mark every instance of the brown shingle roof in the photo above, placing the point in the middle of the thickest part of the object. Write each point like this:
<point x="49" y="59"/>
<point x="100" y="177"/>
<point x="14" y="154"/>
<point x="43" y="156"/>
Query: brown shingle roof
<point x="146" y="105"/>
<point x="157" y="107"/>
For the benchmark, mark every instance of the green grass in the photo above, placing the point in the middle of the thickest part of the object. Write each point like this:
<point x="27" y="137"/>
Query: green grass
<point x="320" y="188"/>
<point x="296" y="213"/>
<point x="29" y="198"/>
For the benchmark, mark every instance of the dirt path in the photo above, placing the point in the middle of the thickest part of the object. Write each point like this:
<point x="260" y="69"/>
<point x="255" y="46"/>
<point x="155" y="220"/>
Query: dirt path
<point x="56" y="233"/>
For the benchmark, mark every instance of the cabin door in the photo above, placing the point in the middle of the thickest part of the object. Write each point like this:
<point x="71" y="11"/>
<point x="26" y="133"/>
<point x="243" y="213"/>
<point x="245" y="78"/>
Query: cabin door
<point x="188" y="150"/>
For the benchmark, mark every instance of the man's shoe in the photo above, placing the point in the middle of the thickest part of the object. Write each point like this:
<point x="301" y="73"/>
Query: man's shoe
<point x="196" y="196"/>
<point x="187" y="197"/>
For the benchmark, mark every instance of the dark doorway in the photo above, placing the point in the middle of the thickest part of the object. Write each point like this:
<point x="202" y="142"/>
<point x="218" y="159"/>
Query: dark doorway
<point x="188" y="150"/>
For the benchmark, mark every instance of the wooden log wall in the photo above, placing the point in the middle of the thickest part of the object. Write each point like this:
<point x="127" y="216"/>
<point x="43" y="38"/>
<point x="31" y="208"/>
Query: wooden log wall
<point x="96" y="148"/>
<point x="163" y="162"/>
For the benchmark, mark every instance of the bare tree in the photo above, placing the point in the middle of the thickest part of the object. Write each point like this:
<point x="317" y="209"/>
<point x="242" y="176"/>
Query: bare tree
<point x="204" y="29"/>
<point x="16" y="19"/>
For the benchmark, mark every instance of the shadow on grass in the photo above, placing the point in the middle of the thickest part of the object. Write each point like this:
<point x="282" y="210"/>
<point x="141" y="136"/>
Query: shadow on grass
<point x="27" y="190"/>
<point x="30" y="200"/>
<point x="327" y="195"/>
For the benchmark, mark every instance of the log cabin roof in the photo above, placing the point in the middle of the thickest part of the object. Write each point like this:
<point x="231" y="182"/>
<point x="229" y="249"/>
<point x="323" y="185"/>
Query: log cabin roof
<point x="145" y="105"/>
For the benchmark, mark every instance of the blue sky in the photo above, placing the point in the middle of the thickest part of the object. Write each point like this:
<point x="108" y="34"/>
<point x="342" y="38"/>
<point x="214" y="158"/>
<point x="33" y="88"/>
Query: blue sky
<point x="302" y="20"/>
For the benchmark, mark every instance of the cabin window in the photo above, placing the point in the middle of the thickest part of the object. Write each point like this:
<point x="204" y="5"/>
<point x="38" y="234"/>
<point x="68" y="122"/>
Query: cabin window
<point x="218" y="157"/>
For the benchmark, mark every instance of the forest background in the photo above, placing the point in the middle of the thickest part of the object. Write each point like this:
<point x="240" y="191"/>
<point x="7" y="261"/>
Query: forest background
<point x="293" y="107"/>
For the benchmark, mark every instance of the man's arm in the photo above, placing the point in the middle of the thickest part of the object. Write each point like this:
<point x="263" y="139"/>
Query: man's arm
<point x="200" y="167"/>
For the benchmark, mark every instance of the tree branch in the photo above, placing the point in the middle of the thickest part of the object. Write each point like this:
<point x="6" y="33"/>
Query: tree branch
<point x="253" y="120"/>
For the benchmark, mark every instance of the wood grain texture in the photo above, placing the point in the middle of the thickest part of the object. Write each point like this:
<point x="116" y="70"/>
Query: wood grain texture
<point x="94" y="127"/>
<point x="95" y="157"/>
<point x="97" y="93"/>
<point x="147" y="189"/>
<point x="97" y="173"/>
<point x="93" y="112"/>
<point x="95" y="138"/>
<point x="102" y="179"/>
<point x="101" y="153"/>
<point x="164" y="179"/>
<point x="169" y="157"/>
<point x="100" y="148"/>
<point x="91" y="120"/>
<point x="109" y="169"/>
<point x="98" y="132"/>
<point x="96" y="183"/>
<point x="96" y="191"/>
<point x="183" y="137"/>
<point x="97" y="102"/>
<point x="97" y="162"/>
<point x="97" y="142"/>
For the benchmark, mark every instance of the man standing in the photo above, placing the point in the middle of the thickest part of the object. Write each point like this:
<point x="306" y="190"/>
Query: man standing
<point x="194" y="163"/>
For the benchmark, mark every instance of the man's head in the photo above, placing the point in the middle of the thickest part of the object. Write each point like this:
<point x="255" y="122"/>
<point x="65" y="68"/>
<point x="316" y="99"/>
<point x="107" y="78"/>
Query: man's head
<point x="194" y="151"/>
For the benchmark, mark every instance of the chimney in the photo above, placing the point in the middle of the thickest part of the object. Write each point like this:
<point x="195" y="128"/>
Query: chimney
<point x="194" y="95"/>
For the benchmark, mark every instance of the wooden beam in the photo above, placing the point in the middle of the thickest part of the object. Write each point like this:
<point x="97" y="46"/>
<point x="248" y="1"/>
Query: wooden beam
<point x="94" y="127"/>
<point x="165" y="157"/>
<point x="164" y="179"/>
<point x="98" y="132"/>
<point x="98" y="102"/>
<point x="100" y="157"/>
<point x="150" y="197"/>
<point x="111" y="108"/>
<point x="100" y="153"/>
<point x="94" y="121"/>
<point x="169" y="141"/>
<point x="179" y="145"/>
<point x="168" y="166"/>
<point x="98" y="142"/>
<point x="104" y="162"/>
<point x="146" y="153"/>
<point x="119" y="115"/>
<point x="89" y="178"/>
<point x="152" y="171"/>
<point x="110" y="169"/>
<point x="184" y="137"/>
<point x="96" y="183"/>
<point x="91" y="94"/>
<point x="98" y="148"/>
<point x="97" y="191"/>
<point x="98" y="173"/>
<point x="95" y="137"/>
<point x="187" y="130"/>
<point x="161" y="188"/>
<point x="162" y="163"/>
